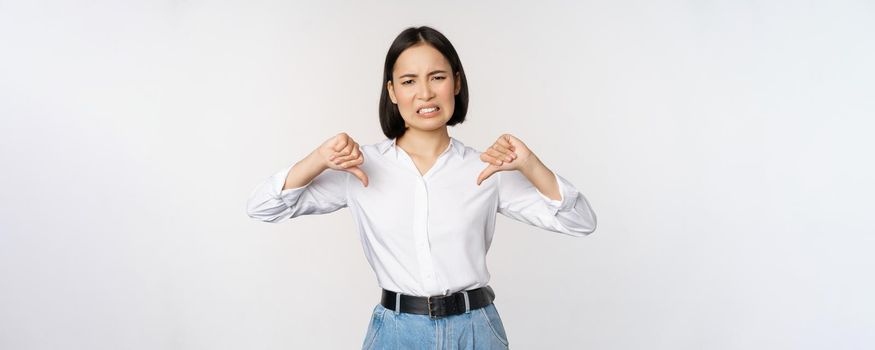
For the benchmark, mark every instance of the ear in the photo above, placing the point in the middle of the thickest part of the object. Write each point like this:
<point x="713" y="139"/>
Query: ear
<point x="458" y="81"/>
<point x="391" y="92"/>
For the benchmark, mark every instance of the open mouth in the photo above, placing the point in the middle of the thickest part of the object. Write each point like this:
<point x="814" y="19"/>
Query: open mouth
<point x="428" y="111"/>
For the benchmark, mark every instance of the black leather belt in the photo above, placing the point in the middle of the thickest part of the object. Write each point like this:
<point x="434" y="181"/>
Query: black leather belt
<point x="440" y="305"/>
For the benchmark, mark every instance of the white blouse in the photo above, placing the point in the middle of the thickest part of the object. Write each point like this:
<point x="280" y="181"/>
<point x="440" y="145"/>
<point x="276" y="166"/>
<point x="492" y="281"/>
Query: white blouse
<point x="425" y="234"/>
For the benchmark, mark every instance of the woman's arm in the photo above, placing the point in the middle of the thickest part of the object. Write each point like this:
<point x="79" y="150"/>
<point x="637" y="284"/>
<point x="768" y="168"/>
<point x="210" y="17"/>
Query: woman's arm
<point x="530" y="192"/>
<point x="340" y="152"/>
<point x="541" y="176"/>
<point x="520" y="200"/>
<point x="314" y="185"/>
<point x="304" y="171"/>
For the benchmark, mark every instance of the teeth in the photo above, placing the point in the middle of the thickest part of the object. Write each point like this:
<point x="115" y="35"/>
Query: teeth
<point x="428" y="110"/>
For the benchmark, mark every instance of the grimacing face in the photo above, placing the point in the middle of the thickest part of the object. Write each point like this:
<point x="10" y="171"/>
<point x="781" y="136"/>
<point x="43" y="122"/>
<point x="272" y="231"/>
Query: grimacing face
<point x="424" y="88"/>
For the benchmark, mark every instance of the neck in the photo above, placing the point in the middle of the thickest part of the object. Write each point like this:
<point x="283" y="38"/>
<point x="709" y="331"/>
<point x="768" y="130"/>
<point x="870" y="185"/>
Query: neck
<point x="424" y="143"/>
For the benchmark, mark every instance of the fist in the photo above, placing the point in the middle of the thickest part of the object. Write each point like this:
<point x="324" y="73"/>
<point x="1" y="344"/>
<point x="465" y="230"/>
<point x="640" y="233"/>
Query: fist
<point x="507" y="153"/>
<point x="341" y="152"/>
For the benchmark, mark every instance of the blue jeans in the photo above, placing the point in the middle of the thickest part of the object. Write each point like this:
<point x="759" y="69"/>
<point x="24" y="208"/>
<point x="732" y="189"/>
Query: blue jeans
<point x="478" y="329"/>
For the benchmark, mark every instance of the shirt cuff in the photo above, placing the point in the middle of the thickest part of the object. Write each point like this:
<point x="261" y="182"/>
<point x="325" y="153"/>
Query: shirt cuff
<point x="288" y="196"/>
<point x="568" y="196"/>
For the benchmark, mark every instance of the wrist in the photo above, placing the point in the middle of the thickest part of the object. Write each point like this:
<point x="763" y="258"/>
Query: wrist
<point x="531" y="166"/>
<point x="315" y="161"/>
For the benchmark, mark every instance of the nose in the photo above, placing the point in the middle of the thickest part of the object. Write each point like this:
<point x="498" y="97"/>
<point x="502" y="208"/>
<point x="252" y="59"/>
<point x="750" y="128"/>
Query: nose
<point x="425" y="92"/>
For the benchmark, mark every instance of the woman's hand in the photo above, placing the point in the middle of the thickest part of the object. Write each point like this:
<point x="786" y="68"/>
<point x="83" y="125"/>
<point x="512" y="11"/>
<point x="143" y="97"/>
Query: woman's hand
<point x="507" y="153"/>
<point x="342" y="153"/>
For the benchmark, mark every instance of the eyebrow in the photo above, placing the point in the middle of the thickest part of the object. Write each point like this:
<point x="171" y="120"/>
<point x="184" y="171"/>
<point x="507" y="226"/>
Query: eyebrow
<point x="414" y="75"/>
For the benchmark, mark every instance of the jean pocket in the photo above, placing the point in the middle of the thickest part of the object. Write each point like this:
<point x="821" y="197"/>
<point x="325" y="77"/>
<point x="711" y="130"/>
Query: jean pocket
<point x="494" y="321"/>
<point x="374" y="327"/>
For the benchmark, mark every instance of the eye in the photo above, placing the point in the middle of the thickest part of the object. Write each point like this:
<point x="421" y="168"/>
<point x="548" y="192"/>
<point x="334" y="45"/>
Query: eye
<point x="439" y="77"/>
<point x="407" y="82"/>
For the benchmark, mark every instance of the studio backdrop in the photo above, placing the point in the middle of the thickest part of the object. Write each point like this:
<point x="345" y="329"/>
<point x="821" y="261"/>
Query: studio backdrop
<point x="724" y="146"/>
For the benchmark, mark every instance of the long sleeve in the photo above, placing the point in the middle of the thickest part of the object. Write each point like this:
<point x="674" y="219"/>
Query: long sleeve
<point x="324" y="194"/>
<point x="520" y="200"/>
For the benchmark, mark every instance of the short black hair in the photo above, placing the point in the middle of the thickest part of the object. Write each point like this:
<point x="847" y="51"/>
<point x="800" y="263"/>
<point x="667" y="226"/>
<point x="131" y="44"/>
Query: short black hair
<point x="390" y="117"/>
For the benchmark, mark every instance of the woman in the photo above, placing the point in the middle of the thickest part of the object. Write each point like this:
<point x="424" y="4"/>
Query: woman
<point x="425" y="204"/>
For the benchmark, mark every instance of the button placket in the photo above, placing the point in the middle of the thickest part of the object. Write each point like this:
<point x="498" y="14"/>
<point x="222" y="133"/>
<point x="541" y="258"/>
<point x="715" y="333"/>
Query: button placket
<point x="423" y="247"/>
<point x="420" y="221"/>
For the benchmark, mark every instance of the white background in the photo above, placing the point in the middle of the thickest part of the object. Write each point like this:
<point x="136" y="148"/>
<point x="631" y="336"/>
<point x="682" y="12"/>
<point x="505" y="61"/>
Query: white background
<point x="725" y="146"/>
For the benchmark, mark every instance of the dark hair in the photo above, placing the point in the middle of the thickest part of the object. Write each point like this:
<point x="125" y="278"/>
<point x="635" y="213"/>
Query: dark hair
<point x="390" y="117"/>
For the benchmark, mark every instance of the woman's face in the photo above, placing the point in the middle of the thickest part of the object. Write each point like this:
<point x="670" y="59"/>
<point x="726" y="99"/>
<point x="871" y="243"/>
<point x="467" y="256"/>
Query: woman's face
<point x="424" y="87"/>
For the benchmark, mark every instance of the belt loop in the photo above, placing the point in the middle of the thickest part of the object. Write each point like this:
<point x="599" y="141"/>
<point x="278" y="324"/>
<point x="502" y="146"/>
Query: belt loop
<point x="397" y="303"/>
<point x="467" y="303"/>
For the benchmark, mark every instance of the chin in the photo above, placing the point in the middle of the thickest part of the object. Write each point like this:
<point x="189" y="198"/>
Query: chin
<point x="428" y="124"/>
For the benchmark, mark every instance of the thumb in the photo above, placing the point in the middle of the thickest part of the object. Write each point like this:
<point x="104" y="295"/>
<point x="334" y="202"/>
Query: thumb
<point x="359" y="174"/>
<point x="486" y="173"/>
